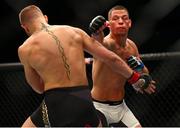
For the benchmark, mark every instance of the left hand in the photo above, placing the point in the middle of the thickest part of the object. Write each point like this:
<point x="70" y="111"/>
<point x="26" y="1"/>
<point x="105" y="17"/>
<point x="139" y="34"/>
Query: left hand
<point x="151" y="88"/>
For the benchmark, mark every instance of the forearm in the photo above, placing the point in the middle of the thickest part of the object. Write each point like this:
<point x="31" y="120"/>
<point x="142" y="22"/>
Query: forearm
<point x="120" y="66"/>
<point x="98" y="36"/>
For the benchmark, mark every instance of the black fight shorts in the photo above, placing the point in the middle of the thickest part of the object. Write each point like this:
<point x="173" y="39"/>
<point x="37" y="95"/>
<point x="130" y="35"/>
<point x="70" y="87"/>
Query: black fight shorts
<point x="71" y="106"/>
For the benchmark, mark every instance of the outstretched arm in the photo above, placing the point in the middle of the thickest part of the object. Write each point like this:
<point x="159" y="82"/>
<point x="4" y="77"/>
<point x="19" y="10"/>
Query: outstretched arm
<point x="115" y="62"/>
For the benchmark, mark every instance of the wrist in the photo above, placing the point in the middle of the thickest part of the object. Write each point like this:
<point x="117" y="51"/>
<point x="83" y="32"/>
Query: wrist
<point x="139" y="67"/>
<point x="134" y="77"/>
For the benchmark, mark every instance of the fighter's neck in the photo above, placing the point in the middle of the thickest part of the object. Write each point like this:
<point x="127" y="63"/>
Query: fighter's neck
<point x="120" y="40"/>
<point x="39" y="27"/>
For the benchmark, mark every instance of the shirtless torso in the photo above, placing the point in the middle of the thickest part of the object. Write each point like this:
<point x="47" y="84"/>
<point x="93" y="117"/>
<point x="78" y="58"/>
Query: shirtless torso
<point x="108" y="85"/>
<point x="48" y="46"/>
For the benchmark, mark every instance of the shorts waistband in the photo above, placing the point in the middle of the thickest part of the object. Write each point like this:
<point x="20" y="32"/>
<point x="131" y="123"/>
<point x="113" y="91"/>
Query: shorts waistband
<point x="69" y="89"/>
<point x="109" y="102"/>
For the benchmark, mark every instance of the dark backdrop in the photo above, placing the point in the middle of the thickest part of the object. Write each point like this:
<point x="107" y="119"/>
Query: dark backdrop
<point x="155" y="22"/>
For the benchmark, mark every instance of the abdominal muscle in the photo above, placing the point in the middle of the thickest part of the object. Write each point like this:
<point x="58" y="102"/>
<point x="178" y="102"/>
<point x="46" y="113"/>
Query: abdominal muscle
<point x="109" y="90"/>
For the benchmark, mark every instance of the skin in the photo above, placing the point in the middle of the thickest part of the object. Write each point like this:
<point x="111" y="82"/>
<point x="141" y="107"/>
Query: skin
<point x="53" y="55"/>
<point x="107" y="84"/>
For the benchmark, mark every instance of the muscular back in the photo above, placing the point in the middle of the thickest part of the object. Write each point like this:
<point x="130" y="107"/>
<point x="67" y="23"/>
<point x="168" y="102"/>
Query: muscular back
<point x="107" y="84"/>
<point x="56" y="55"/>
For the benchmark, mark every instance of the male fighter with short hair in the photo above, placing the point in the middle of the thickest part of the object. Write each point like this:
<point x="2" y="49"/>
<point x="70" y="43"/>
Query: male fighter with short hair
<point x="108" y="87"/>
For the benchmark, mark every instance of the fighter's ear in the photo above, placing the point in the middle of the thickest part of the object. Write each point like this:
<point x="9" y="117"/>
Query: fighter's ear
<point x="22" y="26"/>
<point x="46" y="18"/>
<point x="25" y="29"/>
<point x="130" y="23"/>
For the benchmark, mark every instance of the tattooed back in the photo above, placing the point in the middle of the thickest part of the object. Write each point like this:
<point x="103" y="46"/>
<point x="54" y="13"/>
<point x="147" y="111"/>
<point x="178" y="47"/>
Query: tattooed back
<point x="56" y="54"/>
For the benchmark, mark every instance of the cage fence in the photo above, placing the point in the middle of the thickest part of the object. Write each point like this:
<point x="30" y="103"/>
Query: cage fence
<point x="161" y="109"/>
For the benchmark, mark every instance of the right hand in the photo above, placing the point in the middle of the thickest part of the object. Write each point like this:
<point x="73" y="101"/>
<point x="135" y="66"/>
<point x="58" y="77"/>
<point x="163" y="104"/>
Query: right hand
<point x="142" y="82"/>
<point x="97" y="24"/>
<point x="135" y="63"/>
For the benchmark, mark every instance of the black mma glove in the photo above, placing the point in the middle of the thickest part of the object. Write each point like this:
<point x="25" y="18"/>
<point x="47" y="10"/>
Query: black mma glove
<point x="135" y="64"/>
<point x="139" y="81"/>
<point x="96" y="24"/>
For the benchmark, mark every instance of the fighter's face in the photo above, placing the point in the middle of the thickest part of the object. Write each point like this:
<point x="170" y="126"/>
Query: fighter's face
<point x="119" y="22"/>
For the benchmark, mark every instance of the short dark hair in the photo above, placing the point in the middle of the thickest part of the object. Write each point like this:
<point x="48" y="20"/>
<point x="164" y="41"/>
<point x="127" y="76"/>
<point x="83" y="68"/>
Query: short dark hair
<point x="117" y="7"/>
<point x="29" y="13"/>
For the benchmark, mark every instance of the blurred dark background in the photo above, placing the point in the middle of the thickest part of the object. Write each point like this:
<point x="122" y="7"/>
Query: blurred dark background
<point x="155" y="22"/>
